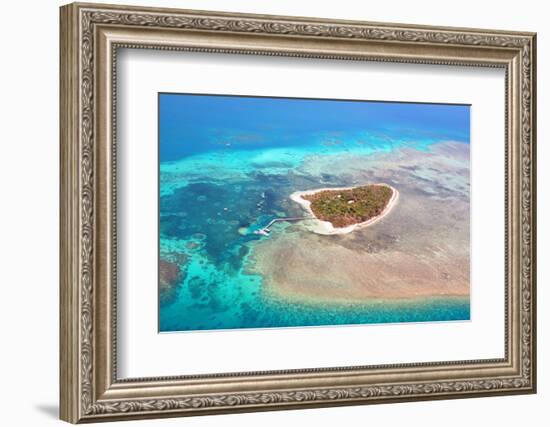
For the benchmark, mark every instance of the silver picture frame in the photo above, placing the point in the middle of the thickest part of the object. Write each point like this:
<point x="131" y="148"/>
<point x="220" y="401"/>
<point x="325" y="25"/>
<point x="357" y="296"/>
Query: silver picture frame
<point x="90" y="37"/>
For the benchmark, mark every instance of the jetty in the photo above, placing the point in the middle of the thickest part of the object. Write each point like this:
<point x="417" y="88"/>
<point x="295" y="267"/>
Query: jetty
<point x="264" y="231"/>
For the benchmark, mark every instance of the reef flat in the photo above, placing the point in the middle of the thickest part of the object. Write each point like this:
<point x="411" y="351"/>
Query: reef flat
<point x="421" y="250"/>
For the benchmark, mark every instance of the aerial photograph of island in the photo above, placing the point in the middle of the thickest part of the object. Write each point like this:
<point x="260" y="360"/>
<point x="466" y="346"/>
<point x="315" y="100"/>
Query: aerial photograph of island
<point x="292" y="212"/>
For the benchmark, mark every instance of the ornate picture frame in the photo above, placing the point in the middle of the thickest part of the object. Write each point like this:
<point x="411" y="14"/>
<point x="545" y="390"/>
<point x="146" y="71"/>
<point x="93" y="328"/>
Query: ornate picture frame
<point x="90" y="37"/>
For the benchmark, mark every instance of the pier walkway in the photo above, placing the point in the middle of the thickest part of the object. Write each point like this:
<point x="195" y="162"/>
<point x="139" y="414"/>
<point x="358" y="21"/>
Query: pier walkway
<point x="264" y="231"/>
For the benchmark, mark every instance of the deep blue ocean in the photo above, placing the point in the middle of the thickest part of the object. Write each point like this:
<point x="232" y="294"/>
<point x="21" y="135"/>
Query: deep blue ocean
<point x="227" y="167"/>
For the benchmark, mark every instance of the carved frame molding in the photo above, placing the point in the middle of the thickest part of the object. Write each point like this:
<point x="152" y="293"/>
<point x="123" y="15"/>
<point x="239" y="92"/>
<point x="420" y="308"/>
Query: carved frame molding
<point x="90" y="34"/>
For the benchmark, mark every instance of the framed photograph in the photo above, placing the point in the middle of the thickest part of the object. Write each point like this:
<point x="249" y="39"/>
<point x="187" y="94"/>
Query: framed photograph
<point x="266" y="212"/>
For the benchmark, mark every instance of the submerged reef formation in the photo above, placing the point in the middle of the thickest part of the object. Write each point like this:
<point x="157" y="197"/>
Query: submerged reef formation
<point x="170" y="276"/>
<point x="419" y="251"/>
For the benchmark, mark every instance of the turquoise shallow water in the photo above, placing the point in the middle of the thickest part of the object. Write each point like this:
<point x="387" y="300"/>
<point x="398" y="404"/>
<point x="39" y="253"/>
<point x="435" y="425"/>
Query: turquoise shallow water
<point x="220" y="183"/>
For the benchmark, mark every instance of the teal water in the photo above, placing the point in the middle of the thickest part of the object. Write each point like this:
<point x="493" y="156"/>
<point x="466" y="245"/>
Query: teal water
<point x="228" y="165"/>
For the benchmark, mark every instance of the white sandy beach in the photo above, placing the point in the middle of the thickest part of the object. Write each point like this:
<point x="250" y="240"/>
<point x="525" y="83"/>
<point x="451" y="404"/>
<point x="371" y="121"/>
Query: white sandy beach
<point x="326" y="228"/>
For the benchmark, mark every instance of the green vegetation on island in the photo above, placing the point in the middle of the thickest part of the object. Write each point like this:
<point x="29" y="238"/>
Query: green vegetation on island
<point x="352" y="206"/>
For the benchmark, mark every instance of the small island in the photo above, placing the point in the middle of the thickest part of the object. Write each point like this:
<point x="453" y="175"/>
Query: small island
<point x="342" y="210"/>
